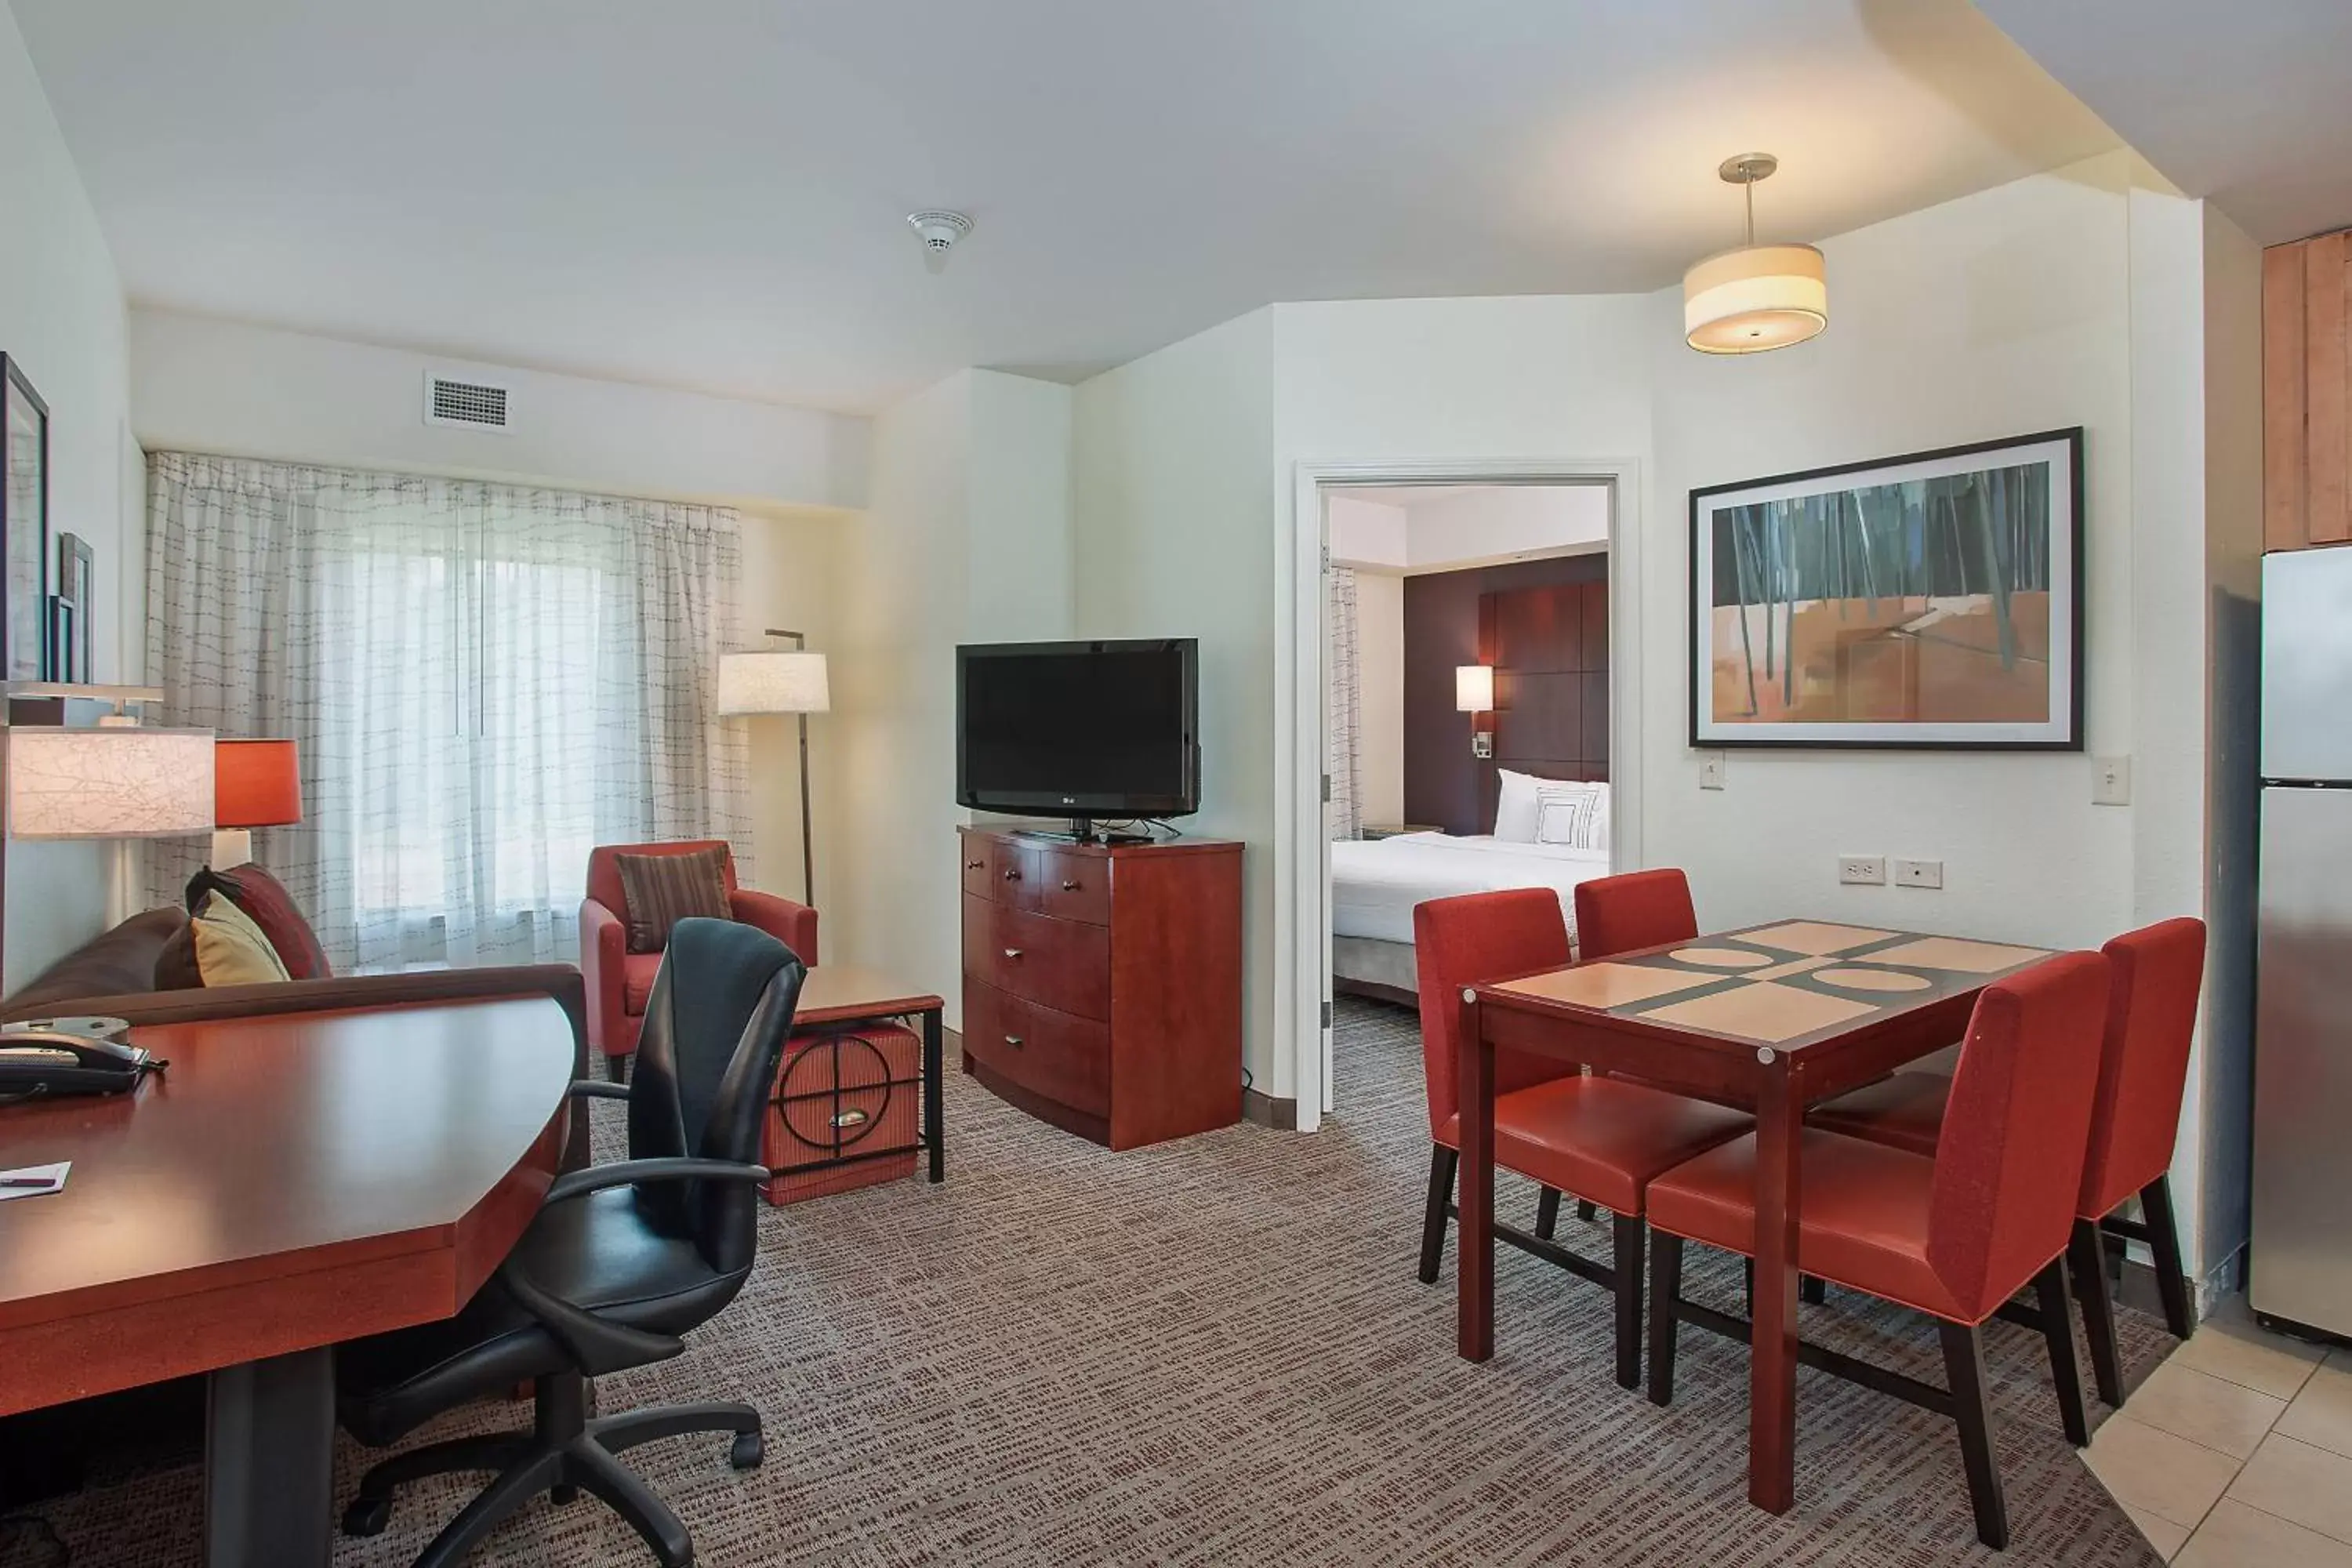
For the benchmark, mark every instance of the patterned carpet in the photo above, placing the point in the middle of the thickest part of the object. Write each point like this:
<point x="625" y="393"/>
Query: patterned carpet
<point x="1215" y="1353"/>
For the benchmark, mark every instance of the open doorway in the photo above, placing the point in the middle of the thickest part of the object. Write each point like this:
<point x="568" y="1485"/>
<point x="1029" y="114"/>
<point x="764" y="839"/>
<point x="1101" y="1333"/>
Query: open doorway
<point x="1469" y="716"/>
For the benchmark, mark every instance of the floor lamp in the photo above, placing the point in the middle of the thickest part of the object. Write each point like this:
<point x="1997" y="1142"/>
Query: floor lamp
<point x="779" y="680"/>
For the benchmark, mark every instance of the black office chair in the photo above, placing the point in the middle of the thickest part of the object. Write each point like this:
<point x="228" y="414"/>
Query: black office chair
<point x="621" y="1259"/>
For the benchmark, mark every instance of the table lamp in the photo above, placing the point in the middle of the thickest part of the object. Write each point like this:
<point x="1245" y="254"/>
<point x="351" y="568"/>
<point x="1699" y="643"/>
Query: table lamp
<point x="1473" y="693"/>
<point x="256" y="784"/>
<point x="779" y="681"/>
<point x="113" y="782"/>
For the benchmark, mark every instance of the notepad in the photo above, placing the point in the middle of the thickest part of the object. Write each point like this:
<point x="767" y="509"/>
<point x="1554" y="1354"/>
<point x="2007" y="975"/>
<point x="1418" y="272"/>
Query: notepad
<point x="54" y="1174"/>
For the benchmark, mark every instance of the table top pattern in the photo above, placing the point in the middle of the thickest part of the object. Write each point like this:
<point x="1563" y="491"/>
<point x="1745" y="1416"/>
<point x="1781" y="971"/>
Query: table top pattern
<point x="1784" y="983"/>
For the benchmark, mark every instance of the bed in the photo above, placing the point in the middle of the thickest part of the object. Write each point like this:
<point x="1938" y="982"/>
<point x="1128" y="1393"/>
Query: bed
<point x="1376" y="882"/>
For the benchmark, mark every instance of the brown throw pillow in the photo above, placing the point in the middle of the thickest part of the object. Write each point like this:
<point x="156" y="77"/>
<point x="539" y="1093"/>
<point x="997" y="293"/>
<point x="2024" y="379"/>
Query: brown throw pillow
<point x="663" y="890"/>
<point x="264" y="899"/>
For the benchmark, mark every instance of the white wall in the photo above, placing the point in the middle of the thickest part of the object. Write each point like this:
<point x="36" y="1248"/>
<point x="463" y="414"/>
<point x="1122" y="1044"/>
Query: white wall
<point x="1380" y="718"/>
<point x="61" y="317"/>
<point x="1366" y="533"/>
<point x="792" y="568"/>
<point x="1173" y="522"/>
<point x="1488" y="523"/>
<point x="204" y="385"/>
<point x="967" y="539"/>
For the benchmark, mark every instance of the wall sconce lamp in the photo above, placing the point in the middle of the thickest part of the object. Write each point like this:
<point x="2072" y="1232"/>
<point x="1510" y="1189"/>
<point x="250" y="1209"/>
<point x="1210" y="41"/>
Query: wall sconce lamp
<point x="1473" y="693"/>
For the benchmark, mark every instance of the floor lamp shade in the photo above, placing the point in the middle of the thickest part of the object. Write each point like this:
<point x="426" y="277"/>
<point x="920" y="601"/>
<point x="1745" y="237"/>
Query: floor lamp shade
<point x="773" y="682"/>
<point x="108" y="783"/>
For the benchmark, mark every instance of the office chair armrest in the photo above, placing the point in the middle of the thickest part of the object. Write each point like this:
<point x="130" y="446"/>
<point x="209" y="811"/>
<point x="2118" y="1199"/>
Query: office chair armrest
<point x="597" y="1088"/>
<point x="628" y="1173"/>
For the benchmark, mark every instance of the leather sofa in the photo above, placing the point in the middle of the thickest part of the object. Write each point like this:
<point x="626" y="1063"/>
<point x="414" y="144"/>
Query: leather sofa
<point x="113" y="976"/>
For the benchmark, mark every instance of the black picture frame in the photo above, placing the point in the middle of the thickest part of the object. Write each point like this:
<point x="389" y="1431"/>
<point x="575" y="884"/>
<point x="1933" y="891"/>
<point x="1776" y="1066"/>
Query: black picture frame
<point x="2066" y="557"/>
<point x="72" y="650"/>
<point x="23" y="538"/>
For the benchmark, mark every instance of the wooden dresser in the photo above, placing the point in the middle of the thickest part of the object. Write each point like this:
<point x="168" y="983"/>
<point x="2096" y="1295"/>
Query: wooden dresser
<point x="1102" y="984"/>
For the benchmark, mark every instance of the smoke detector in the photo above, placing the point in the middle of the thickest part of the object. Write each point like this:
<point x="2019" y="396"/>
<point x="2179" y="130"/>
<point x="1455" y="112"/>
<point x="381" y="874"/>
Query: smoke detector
<point x="939" y="231"/>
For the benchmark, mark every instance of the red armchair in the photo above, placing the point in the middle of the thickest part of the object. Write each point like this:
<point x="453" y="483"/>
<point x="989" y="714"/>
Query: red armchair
<point x="619" y="981"/>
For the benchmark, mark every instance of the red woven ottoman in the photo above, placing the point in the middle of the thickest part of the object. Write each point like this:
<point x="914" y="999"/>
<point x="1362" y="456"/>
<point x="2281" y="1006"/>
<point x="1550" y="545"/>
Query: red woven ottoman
<point x="848" y="1112"/>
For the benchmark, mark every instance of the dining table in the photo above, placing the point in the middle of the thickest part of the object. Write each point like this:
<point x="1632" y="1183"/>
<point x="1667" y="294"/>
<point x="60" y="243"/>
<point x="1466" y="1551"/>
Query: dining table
<point x="1773" y="1019"/>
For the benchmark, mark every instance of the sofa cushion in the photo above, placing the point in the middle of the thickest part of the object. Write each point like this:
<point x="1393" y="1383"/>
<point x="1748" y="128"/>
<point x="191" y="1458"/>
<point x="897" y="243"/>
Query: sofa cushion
<point x="220" y="946"/>
<point x="120" y="962"/>
<point x="663" y="890"/>
<point x="265" y="901"/>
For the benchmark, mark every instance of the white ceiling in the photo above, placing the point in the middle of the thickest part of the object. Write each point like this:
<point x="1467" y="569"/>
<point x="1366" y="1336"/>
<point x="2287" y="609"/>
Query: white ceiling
<point x="711" y="193"/>
<point x="2247" y="103"/>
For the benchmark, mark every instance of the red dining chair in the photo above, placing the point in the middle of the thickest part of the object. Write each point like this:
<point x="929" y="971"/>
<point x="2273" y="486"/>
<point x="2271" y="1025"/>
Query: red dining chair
<point x="1600" y="1139"/>
<point x="2143" y="1068"/>
<point x="1953" y="1235"/>
<point x="1632" y="909"/>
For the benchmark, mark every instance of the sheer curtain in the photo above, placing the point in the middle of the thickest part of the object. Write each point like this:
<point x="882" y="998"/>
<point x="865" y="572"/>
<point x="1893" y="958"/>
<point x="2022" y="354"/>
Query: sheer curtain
<point x="486" y="681"/>
<point x="1344" y="707"/>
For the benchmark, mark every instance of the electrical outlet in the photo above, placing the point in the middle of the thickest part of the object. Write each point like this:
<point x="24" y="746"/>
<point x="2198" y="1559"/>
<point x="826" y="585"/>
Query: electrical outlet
<point x="1710" y="770"/>
<point x="1918" y="873"/>
<point x="2111" y="780"/>
<point x="1863" y="870"/>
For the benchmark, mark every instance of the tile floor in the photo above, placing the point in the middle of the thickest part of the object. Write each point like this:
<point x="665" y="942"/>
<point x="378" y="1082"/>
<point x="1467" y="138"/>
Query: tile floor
<point x="2237" y="1452"/>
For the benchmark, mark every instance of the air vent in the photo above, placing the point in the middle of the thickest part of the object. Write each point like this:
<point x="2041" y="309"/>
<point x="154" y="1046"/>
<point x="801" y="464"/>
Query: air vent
<point x="468" y="405"/>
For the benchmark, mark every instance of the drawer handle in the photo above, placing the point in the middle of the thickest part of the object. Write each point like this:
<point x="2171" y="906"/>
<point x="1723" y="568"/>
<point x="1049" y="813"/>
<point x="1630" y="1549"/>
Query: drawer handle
<point x="1012" y="953"/>
<point x="1012" y="876"/>
<point x="1012" y="1040"/>
<point x="974" y="865"/>
<point x="1069" y="887"/>
<point x="850" y="1119"/>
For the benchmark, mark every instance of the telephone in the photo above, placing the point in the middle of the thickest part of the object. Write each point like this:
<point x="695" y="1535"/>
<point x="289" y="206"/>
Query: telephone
<point x="41" y="1057"/>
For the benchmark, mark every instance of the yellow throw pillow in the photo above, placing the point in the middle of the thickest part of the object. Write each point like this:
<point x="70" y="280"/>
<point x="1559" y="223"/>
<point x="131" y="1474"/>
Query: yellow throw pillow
<point x="230" y="949"/>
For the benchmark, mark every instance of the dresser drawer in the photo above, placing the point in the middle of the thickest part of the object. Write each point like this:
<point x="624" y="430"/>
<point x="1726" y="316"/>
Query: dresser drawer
<point x="1065" y="1059"/>
<point x="1069" y="887"/>
<point x="980" y="867"/>
<point x="1060" y="963"/>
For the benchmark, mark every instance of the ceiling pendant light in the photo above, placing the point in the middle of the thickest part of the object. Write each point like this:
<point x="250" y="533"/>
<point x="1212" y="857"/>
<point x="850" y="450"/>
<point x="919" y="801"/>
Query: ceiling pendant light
<point x="1758" y="296"/>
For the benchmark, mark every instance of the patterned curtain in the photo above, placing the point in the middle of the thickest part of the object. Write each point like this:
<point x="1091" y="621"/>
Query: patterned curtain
<point x="1345" y="706"/>
<point x="485" y="682"/>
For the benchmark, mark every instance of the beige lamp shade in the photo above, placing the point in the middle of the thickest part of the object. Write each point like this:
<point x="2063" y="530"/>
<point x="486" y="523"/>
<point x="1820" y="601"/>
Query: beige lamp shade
<point x="777" y="682"/>
<point x="1757" y="298"/>
<point x="1473" y="688"/>
<point x="110" y="782"/>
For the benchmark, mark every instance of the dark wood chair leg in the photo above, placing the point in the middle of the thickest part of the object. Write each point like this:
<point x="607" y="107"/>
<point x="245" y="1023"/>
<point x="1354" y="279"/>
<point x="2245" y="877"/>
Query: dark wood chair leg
<point x="1547" y="1214"/>
<point x="2164" y="1241"/>
<point x="616" y="1068"/>
<point x="2088" y="1261"/>
<point x="1665" y="1290"/>
<point x="1586" y="1212"/>
<point x="1812" y="1290"/>
<point x="2058" y="1329"/>
<point x="1964" y="1366"/>
<point x="1630" y="1235"/>
<point x="1442" y="1161"/>
<point x="1748" y="1286"/>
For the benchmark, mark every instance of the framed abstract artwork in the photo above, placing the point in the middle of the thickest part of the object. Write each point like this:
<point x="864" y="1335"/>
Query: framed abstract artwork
<point x="24" y="628"/>
<point x="1933" y="600"/>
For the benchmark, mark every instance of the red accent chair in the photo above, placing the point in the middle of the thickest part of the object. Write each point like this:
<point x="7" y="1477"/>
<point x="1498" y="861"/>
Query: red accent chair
<point x="620" y="981"/>
<point x="1632" y="911"/>
<point x="1953" y="1235"/>
<point x="1600" y="1139"/>
<point x="2158" y="970"/>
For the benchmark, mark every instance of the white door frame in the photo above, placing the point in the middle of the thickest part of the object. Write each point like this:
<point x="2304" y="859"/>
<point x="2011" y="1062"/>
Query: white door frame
<point x="1302" y="957"/>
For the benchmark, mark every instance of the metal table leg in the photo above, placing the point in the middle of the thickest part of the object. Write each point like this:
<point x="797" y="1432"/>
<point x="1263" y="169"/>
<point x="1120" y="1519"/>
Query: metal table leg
<point x="269" y="1460"/>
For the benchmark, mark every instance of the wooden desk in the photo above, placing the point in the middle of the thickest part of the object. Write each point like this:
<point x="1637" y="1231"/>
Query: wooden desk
<point x="845" y="997"/>
<point x="1775" y="1017"/>
<point x="291" y="1182"/>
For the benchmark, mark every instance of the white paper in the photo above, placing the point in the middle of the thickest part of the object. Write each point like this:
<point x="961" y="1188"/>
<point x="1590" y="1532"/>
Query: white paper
<point x="57" y="1174"/>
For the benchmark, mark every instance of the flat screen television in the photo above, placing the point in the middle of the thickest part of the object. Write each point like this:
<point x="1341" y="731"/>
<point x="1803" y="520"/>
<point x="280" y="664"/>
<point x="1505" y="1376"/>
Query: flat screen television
<point x="1079" y="729"/>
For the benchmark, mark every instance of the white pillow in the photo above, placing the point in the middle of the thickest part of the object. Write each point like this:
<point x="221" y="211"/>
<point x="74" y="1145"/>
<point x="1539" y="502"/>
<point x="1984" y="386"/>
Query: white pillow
<point x="1573" y="814"/>
<point x="1514" y="806"/>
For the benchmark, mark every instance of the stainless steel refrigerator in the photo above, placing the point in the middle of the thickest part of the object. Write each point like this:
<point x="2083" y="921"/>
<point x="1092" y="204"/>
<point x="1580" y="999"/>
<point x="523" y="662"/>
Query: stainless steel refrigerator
<point x="2301" y="1255"/>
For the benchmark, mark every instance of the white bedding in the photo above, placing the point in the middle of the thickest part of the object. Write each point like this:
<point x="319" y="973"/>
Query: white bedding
<point x="1376" y="882"/>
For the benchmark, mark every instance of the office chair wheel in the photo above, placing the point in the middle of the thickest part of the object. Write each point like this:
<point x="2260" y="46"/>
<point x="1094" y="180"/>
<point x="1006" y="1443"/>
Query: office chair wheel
<point x="562" y="1493"/>
<point x="747" y="1452"/>
<point x="367" y="1516"/>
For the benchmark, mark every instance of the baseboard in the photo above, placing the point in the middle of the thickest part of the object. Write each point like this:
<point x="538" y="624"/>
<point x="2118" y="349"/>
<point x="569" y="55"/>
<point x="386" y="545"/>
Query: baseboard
<point x="2135" y="1288"/>
<point x="1282" y="1115"/>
